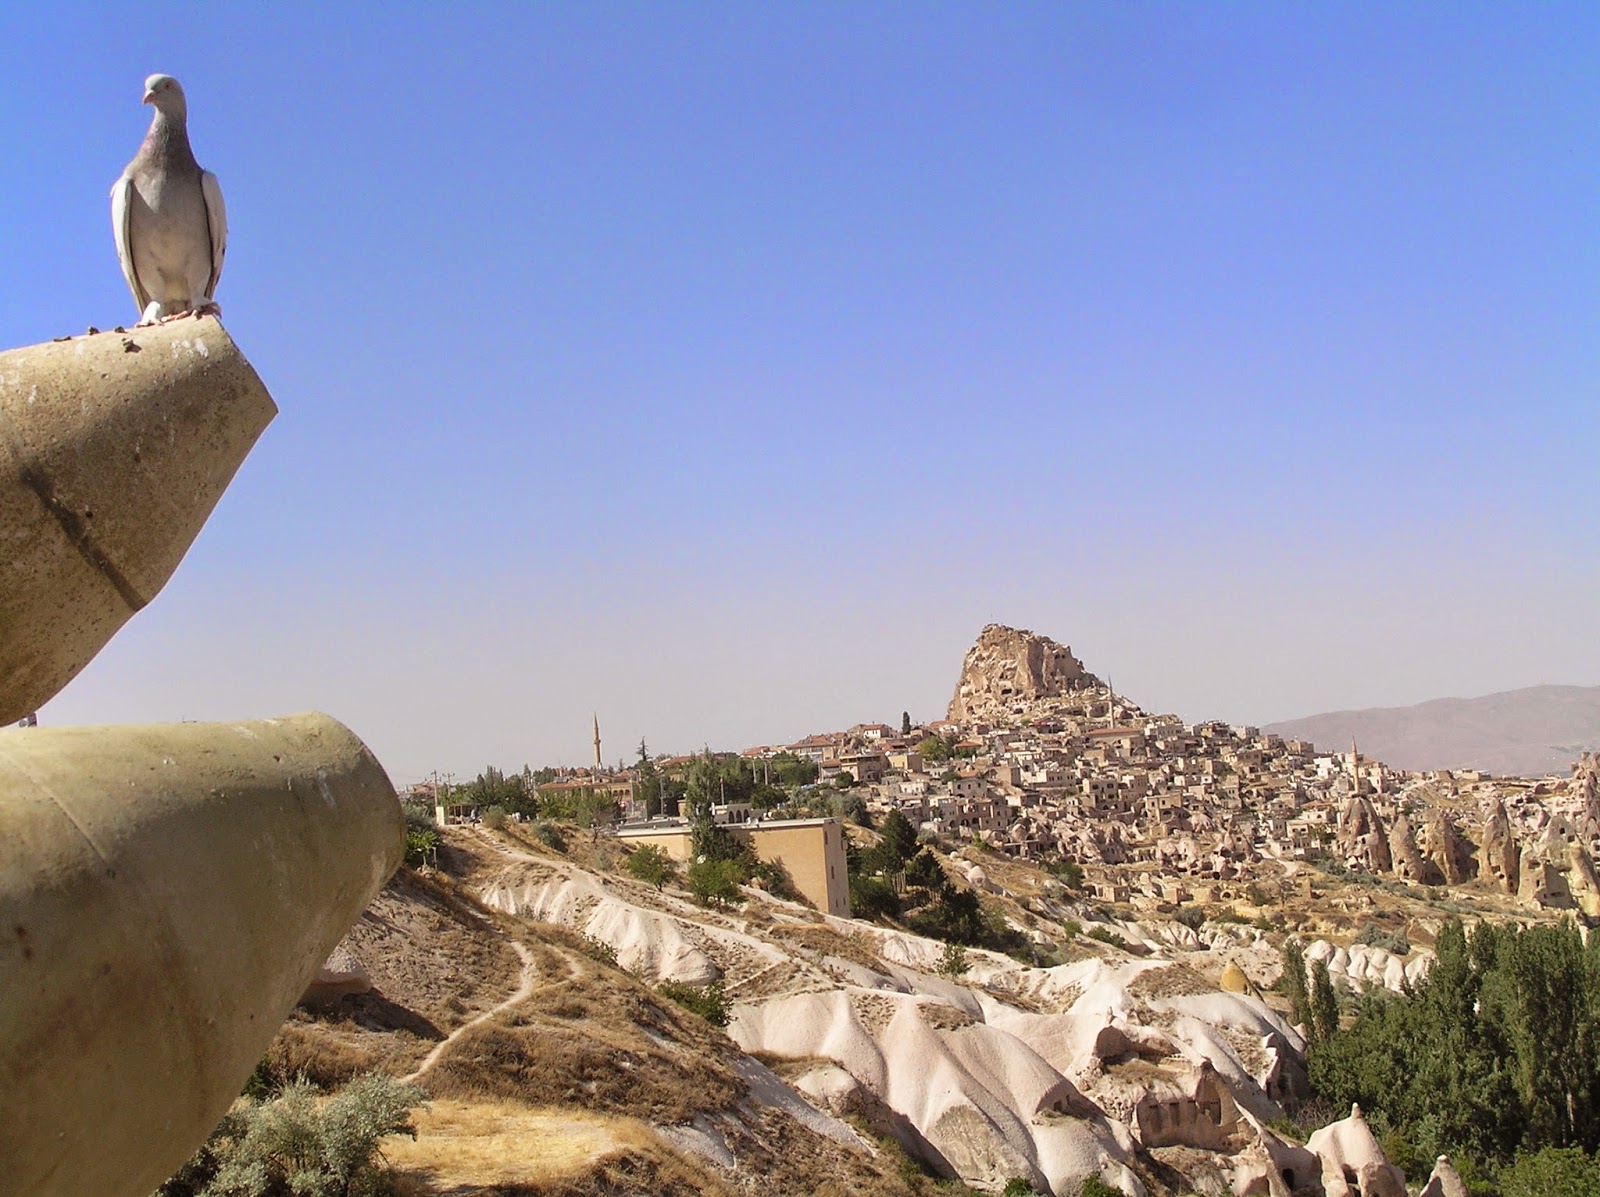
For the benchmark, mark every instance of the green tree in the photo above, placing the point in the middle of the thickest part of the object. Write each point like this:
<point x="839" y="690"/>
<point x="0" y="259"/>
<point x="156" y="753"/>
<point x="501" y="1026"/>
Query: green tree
<point x="716" y="882"/>
<point x="594" y="811"/>
<point x="957" y="916"/>
<point x="422" y="837"/>
<point x="1494" y="1050"/>
<point x="1093" y="1186"/>
<point x="923" y="871"/>
<point x="905" y="723"/>
<point x="647" y="783"/>
<point x="1294" y="982"/>
<point x="1070" y="872"/>
<point x="710" y="1002"/>
<point x="934" y="748"/>
<point x="854" y="808"/>
<point x="1323" y="1011"/>
<point x="494" y="788"/>
<point x="791" y="771"/>
<point x="873" y="898"/>
<point x="652" y="866"/>
<point x="899" y="840"/>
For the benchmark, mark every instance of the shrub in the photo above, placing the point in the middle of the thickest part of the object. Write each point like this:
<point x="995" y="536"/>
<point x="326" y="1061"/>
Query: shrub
<point x="1192" y="917"/>
<point x="708" y="1001"/>
<point x="1093" y="1186"/>
<point x="1110" y="937"/>
<point x="422" y="846"/>
<point x="600" y="950"/>
<point x="953" y="961"/>
<point x="550" y="835"/>
<point x="1552" y="1172"/>
<point x="494" y="818"/>
<point x="1069" y="871"/>
<point x="1390" y="941"/>
<point x="299" y="1146"/>
<point x="1018" y="1187"/>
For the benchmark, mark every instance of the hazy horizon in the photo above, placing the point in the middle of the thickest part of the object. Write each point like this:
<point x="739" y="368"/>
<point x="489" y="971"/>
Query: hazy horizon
<point x="723" y="371"/>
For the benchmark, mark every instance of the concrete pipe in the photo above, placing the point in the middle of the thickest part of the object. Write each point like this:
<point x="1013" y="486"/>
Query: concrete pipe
<point x="114" y="448"/>
<point x="166" y="894"/>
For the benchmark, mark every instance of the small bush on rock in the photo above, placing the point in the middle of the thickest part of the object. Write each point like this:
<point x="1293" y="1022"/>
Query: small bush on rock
<point x="708" y="1001"/>
<point x="1093" y="1186"/>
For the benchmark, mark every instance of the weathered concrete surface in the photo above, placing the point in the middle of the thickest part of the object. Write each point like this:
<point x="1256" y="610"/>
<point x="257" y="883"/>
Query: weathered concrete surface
<point x="114" y="448"/>
<point x="166" y="893"/>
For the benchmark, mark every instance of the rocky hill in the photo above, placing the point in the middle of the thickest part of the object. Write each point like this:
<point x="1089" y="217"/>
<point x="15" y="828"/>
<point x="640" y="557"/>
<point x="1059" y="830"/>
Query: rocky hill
<point x="1532" y="732"/>
<point x="1010" y="671"/>
<point x="525" y="990"/>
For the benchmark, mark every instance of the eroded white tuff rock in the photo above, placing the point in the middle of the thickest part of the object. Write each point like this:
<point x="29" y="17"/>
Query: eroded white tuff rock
<point x="1008" y="666"/>
<point x="1501" y="861"/>
<point x="1353" y="1165"/>
<point x="1444" y="1181"/>
<point x="1409" y="862"/>
<point x="1053" y="1074"/>
<point x="1448" y="850"/>
<point x="1361" y="965"/>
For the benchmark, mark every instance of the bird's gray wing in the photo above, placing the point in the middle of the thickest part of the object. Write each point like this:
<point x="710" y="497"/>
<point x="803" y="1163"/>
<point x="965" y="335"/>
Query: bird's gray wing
<point x="122" y="228"/>
<point x="217" y="222"/>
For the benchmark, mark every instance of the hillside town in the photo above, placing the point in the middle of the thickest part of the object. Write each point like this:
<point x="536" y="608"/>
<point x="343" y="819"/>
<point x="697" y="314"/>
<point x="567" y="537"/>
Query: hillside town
<point x="1043" y="760"/>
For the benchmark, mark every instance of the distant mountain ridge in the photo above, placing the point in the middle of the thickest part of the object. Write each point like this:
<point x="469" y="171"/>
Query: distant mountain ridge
<point x="1530" y="732"/>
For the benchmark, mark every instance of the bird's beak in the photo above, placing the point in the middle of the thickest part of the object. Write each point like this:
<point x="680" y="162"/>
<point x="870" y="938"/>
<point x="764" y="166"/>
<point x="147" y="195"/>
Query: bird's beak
<point x="149" y="98"/>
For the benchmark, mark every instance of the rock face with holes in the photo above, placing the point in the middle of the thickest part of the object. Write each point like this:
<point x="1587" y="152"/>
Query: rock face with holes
<point x="1009" y="668"/>
<point x="1501" y="861"/>
<point x="1449" y="851"/>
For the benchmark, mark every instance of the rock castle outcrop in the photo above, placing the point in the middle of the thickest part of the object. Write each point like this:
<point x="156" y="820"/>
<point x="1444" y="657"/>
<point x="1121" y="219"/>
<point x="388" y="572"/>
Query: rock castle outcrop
<point x="1010" y="669"/>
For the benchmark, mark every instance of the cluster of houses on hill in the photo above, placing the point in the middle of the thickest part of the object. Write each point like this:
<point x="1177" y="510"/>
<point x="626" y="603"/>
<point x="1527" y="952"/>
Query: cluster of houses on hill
<point x="1163" y="805"/>
<point x="1042" y="760"/>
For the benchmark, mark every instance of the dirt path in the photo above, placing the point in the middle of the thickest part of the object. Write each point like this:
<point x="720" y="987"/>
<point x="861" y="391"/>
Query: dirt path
<point x="530" y="978"/>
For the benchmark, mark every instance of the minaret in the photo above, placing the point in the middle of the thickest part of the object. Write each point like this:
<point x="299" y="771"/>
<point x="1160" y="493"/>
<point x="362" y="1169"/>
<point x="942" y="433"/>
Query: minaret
<point x="597" y="742"/>
<point x="1355" y="766"/>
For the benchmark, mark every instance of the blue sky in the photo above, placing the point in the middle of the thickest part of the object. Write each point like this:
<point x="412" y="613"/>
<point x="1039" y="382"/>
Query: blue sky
<point x="725" y="368"/>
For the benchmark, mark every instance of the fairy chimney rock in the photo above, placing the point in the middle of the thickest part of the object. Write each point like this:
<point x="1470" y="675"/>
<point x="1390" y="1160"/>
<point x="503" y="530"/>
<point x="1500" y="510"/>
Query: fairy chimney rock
<point x="1450" y="851"/>
<point x="1500" y="859"/>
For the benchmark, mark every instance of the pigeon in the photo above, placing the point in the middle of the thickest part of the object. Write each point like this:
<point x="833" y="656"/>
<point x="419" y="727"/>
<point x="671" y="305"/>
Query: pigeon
<point x="167" y="215"/>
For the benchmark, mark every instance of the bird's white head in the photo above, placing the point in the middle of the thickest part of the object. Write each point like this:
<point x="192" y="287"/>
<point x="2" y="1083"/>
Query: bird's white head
<point x="166" y="93"/>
